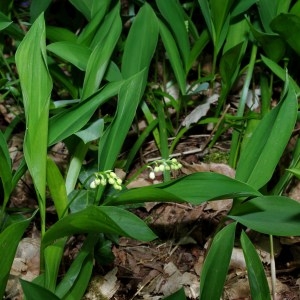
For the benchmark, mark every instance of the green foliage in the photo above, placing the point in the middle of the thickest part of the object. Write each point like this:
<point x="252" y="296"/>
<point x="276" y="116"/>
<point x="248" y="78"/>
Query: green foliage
<point x="85" y="87"/>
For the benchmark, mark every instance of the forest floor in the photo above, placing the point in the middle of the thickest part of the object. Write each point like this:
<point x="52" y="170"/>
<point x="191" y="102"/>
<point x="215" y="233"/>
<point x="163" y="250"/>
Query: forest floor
<point x="154" y="270"/>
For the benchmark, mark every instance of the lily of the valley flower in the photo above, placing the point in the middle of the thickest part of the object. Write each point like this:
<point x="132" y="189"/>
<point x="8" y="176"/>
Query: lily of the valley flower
<point x="163" y="165"/>
<point x="102" y="178"/>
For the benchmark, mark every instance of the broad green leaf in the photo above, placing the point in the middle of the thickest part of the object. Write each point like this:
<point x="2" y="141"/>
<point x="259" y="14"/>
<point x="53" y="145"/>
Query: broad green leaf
<point x="36" y="87"/>
<point x="179" y="295"/>
<point x="76" y="54"/>
<point x="34" y="291"/>
<point x="257" y="278"/>
<point x="104" y="219"/>
<point x="172" y="10"/>
<point x="53" y="255"/>
<point x="56" y="185"/>
<point x="91" y="133"/>
<point x="230" y="65"/>
<point x="241" y="7"/>
<point x="174" y="56"/>
<point x="264" y="149"/>
<point x="273" y="45"/>
<point x="195" y="188"/>
<point x="68" y="122"/>
<point x="60" y="34"/>
<point x="37" y="7"/>
<point x="6" y="169"/>
<point x="78" y="275"/>
<point x="113" y="138"/>
<point x="9" y="240"/>
<point x="275" y="215"/>
<point x="87" y="34"/>
<point x="216" y="263"/>
<point x="288" y="26"/>
<point x="280" y="72"/>
<point x="84" y="7"/>
<point x="236" y="35"/>
<point x="140" y="43"/>
<point x="267" y="11"/>
<point x="82" y="281"/>
<point x="100" y="57"/>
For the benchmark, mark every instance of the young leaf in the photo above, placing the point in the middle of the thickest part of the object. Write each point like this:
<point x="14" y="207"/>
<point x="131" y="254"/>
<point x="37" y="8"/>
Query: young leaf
<point x="257" y="277"/>
<point x="104" y="219"/>
<point x="274" y="215"/>
<point x="258" y="161"/>
<point x="216" y="264"/>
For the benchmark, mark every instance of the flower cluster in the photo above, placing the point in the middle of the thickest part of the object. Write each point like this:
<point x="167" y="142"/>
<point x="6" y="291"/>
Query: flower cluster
<point x="102" y="178"/>
<point x="163" y="165"/>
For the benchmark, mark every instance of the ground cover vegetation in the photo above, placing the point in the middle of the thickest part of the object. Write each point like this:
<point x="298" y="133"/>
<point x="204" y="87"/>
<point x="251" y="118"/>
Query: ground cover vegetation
<point x="87" y="73"/>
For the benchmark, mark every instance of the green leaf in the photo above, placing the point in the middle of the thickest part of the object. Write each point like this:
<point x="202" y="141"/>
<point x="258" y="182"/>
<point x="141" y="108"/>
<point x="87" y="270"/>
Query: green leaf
<point x="53" y="255"/>
<point x="36" y="87"/>
<point x="78" y="275"/>
<point x="280" y="72"/>
<point x="104" y="219"/>
<point x="57" y="187"/>
<point x="6" y="169"/>
<point x="230" y="64"/>
<point x="257" y="278"/>
<point x="87" y="34"/>
<point x="9" y="240"/>
<point x="174" y="56"/>
<point x="267" y="11"/>
<point x="195" y="188"/>
<point x="100" y="57"/>
<point x="72" y="120"/>
<point x="275" y="215"/>
<point x="172" y="10"/>
<point x="76" y="54"/>
<point x="264" y="149"/>
<point x="91" y="133"/>
<point x="59" y="34"/>
<point x="140" y="43"/>
<point x="34" y="291"/>
<point x="113" y="138"/>
<point x="273" y="44"/>
<point x="288" y="26"/>
<point x="216" y="264"/>
<point x="37" y="7"/>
